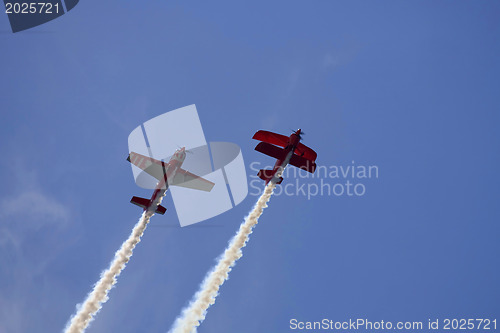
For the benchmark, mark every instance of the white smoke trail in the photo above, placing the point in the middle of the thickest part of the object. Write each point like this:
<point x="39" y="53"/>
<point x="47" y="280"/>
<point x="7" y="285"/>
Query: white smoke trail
<point x="195" y="313"/>
<point x="99" y="295"/>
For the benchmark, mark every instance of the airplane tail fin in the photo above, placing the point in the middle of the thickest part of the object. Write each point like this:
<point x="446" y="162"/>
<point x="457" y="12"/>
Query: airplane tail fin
<point x="143" y="203"/>
<point x="267" y="175"/>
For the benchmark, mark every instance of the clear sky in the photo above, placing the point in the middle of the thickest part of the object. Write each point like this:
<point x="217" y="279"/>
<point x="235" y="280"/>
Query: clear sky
<point x="411" y="87"/>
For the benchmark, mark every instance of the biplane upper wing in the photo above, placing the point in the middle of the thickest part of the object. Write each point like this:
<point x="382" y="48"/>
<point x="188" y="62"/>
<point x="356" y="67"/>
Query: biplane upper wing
<point x="282" y="141"/>
<point x="305" y="152"/>
<point x="272" y="138"/>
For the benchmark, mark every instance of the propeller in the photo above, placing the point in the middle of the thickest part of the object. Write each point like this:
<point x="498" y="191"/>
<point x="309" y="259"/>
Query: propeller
<point x="187" y="151"/>
<point x="299" y="133"/>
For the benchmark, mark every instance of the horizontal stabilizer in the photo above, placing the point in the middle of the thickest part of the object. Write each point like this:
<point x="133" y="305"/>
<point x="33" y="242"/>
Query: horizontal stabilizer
<point x="267" y="175"/>
<point x="268" y="149"/>
<point x="160" y="210"/>
<point x="303" y="163"/>
<point x="272" y="138"/>
<point x="144" y="204"/>
<point x="141" y="202"/>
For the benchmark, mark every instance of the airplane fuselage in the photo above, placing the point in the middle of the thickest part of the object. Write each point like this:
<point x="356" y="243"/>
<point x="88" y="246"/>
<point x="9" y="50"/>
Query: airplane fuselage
<point x="170" y="170"/>
<point x="281" y="163"/>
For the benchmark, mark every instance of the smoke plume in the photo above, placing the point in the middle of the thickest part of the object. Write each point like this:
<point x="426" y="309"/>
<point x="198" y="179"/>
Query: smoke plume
<point x="195" y="313"/>
<point x="99" y="295"/>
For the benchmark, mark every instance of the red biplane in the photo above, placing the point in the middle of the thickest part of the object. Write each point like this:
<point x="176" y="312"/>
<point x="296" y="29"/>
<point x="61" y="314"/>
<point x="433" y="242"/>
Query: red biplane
<point x="291" y="152"/>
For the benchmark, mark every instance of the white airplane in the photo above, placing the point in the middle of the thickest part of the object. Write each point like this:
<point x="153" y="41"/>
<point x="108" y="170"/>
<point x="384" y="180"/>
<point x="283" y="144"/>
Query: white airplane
<point x="167" y="174"/>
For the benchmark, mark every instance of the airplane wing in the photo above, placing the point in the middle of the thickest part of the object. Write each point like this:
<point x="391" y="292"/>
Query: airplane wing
<point x="153" y="167"/>
<point x="270" y="150"/>
<point x="305" y="152"/>
<point x="272" y="138"/>
<point x="190" y="180"/>
<point x="303" y="163"/>
<point x="282" y="141"/>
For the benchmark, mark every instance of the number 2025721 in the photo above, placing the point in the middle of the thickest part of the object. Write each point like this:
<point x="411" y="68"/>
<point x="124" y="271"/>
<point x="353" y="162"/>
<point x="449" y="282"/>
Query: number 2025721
<point x="31" y="8"/>
<point x="469" y="324"/>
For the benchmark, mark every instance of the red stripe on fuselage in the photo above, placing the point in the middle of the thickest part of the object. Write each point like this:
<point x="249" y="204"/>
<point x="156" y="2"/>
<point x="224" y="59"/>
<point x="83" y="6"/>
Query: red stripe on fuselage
<point x="169" y="172"/>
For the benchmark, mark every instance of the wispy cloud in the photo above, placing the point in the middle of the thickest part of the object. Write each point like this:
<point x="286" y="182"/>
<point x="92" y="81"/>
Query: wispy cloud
<point x="36" y="207"/>
<point x="32" y="225"/>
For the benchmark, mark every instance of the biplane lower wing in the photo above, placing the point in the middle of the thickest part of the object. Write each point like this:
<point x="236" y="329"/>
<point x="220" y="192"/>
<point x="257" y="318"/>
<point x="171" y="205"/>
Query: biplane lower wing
<point x="270" y="150"/>
<point x="303" y="163"/>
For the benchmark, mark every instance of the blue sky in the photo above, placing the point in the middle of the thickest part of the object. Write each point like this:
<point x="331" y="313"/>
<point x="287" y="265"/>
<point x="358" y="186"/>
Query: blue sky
<point x="411" y="87"/>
